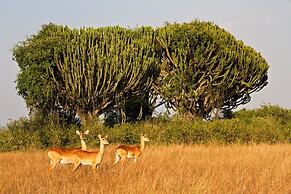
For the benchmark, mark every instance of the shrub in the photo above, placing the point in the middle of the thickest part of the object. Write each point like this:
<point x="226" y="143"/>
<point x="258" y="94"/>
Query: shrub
<point x="269" y="124"/>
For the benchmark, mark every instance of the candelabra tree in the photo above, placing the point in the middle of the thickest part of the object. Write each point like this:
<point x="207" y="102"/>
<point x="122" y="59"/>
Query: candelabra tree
<point x="204" y="67"/>
<point x="95" y="69"/>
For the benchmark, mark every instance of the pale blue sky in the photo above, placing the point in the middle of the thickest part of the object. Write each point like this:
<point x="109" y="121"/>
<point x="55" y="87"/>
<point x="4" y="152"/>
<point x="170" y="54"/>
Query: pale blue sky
<point x="263" y="24"/>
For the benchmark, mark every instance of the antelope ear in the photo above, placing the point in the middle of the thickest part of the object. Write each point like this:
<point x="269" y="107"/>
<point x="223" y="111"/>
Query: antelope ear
<point x="78" y="132"/>
<point x="99" y="136"/>
<point x="86" y="132"/>
<point x="106" y="136"/>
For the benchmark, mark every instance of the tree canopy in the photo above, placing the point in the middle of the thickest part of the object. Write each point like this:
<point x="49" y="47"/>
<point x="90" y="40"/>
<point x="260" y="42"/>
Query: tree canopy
<point x="205" y="67"/>
<point x="194" y="67"/>
<point x="99" y="68"/>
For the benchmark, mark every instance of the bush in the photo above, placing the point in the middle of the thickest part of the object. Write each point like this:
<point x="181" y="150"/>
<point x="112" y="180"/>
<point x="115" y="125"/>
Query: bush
<point x="269" y="124"/>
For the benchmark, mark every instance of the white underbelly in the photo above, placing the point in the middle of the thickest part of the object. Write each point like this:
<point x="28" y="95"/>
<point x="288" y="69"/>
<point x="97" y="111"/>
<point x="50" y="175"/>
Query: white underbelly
<point x="130" y="155"/>
<point x="86" y="162"/>
<point x="66" y="161"/>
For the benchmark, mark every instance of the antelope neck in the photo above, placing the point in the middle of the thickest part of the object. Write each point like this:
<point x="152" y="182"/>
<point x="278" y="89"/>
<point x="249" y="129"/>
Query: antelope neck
<point x="142" y="145"/>
<point x="84" y="146"/>
<point x="101" y="148"/>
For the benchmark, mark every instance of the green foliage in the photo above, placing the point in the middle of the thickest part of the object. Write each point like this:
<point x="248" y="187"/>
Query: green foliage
<point x="265" y="111"/>
<point x="194" y="67"/>
<point x="98" y="68"/>
<point x="88" y="70"/>
<point x="264" y="125"/>
<point x="205" y="67"/>
<point x="33" y="56"/>
<point x="37" y="132"/>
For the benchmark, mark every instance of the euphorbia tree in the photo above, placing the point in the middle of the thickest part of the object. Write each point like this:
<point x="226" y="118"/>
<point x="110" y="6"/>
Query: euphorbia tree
<point x="97" y="68"/>
<point x="205" y="67"/>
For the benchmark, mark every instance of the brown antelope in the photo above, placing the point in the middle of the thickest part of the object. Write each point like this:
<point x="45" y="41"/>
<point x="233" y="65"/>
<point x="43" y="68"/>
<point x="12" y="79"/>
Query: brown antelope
<point x="92" y="158"/>
<point x="59" y="155"/>
<point x="125" y="151"/>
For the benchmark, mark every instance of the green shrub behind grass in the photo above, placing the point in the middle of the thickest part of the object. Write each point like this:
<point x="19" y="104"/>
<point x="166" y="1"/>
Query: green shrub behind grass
<point x="268" y="124"/>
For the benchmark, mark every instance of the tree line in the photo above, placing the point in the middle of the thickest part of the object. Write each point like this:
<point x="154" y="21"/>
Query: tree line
<point x="193" y="67"/>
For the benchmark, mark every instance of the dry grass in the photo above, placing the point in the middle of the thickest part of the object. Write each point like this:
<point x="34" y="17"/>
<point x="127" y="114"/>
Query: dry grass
<point x="173" y="169"/>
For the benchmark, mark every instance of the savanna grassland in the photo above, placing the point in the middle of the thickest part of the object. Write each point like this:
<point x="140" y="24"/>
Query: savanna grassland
<point x="161" y="169"/>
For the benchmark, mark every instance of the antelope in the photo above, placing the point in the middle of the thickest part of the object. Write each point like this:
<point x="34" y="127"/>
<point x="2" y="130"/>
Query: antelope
<point x="82" y="138"/>
<point x="126" y="151"/>
<point x="59" y="155"/>
<point x="92" y="158"/>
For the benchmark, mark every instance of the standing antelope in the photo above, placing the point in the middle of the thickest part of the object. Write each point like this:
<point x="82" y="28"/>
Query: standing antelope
<point x="59" y="155"/>
<point x="92" y="158"/>
<point x="125" y="151"/>
<point x="82" y="138"/>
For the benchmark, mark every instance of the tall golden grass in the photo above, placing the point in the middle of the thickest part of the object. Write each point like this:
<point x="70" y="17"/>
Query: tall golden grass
<point x="259" y="169"/>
